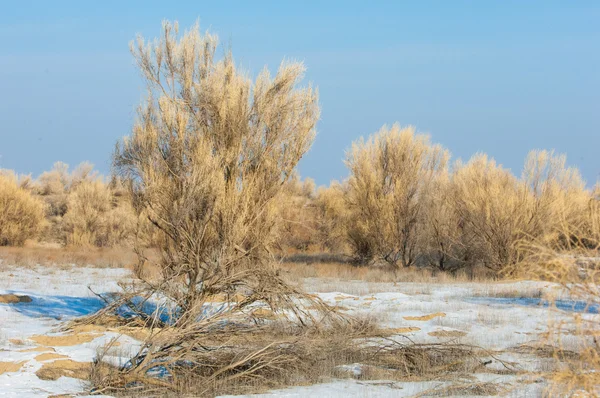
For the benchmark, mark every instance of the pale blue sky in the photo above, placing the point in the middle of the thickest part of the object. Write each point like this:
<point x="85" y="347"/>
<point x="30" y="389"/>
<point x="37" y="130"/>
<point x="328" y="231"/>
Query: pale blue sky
<point x="501" y="77"/>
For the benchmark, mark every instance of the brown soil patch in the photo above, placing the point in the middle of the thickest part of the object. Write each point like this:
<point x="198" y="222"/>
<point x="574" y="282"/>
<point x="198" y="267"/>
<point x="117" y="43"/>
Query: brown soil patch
<point x="65" y="340"/>
<point x="447" y="333"/>
<point x="402" y="330"/>
<point x="48" y="356"/>
<point x="370" y="299"/>
<point x="6" y="367"/>
<point x="424" y="317"/>
<point x="14" y="299"/>
<point x="64" y="367"/>
<point x="16" y="341"/>
<point x="38" y="349"/>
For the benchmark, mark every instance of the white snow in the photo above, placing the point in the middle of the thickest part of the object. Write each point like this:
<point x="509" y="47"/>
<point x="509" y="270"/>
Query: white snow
<point x="493" y="327"/>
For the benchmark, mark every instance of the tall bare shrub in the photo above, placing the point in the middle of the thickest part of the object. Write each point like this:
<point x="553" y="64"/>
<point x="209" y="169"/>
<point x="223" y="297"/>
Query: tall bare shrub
<point x="391" y="175"/>
<point x="21" y="215"/>
<point x="207" y="158"/>
<point x="55" y="181"/>
<point x="296" y="211"/>
<point x="332" y="216"/>
<point x="558" y="199"/>
<point x="491" y="205"/>
<point x="447" y="246"/>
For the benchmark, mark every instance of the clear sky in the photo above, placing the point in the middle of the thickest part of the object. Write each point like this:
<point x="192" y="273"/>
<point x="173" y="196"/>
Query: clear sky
<point x="501" y="77"/>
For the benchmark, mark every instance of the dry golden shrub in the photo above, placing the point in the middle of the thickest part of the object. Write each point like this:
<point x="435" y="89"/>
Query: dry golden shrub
<point x="207" y="159"/>
<point x="391" y="175"/>
<point x="93" y="219"/>
<point x="295" y="209"/>
<point x="332" y="215"/>
<point x="84" y="220"/>
<point x="445" y="241"/>
<point x="84" y="172"/>
<point x="482" y="211"/>
<point x="491" y="205"/>
<point x="21" y="214"/>
<point x="312" y="220"/>
<point x="55" y="181"/>
<point x="557" y="197"/>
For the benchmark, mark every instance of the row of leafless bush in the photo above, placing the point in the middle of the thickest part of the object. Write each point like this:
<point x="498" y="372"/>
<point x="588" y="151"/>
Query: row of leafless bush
<point x="78" y="208"/>
<point x="405" y="204"/>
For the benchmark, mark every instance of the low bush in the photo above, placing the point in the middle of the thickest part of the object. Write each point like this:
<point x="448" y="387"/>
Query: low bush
<point x="94" y="219"/>
<point x="21" y="214"/>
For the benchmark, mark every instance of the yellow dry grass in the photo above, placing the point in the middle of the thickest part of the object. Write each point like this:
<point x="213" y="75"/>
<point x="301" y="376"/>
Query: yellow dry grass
<point x="447" y="333"/>
<point x="43" y="255"/>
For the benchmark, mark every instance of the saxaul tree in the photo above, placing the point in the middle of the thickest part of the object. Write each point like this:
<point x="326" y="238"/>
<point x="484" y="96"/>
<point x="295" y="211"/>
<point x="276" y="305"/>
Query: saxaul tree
<point x="391" y="176"/>
<point x="206" y="161"/>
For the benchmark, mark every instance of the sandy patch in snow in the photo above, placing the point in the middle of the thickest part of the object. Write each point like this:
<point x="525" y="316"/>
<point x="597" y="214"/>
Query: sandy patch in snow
<point x="6" y="367"/>
<point x="424" y="317"/>
<point x="13" y="299"/>
<point x="66" y="340"/>
<point x="38" y="349"/>
<point x="49" y="356"/>
<point x="402" y="330"/>
<point x="64" y="367"/>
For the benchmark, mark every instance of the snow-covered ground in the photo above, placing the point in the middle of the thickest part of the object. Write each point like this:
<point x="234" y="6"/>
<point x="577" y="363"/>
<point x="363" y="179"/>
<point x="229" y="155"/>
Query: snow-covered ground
<point x="423" y="312"/>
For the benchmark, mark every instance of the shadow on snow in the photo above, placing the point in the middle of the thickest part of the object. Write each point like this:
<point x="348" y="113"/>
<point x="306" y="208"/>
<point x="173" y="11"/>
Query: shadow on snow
<point x="65" y="307"/>
<point x="565" y="305"/>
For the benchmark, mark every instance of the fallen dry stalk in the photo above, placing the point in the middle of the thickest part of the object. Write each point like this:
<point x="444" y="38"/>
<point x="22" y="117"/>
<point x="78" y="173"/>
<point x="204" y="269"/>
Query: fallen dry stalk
<point x="205" y="360"/>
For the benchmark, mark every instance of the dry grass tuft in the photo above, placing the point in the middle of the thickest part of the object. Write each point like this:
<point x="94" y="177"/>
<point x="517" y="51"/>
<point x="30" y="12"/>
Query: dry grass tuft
<point x="466" y="389"/>
<point x="67" y="256"/>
